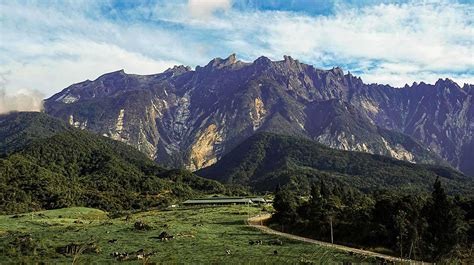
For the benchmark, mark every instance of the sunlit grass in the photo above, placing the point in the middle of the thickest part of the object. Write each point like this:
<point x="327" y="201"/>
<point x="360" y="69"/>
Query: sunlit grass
<point x="202" y="236"/>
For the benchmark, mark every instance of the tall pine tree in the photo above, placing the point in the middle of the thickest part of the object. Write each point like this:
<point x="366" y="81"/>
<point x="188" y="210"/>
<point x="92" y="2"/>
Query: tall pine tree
<point x="285" y="205"/>
<point x="446" y="229"/>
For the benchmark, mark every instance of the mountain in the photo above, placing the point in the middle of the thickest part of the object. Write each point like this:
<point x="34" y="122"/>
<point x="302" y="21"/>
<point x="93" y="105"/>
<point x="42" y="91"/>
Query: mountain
<point x="266" y="160"/>
<point x="193" y="117"/>
<point x="18" y="129"/>
<point x="62" y="166"/>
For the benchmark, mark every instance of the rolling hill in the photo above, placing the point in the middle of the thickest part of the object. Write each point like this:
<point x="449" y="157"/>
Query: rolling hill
<point x="52" y="165"/>
<point x="266" y="160"/>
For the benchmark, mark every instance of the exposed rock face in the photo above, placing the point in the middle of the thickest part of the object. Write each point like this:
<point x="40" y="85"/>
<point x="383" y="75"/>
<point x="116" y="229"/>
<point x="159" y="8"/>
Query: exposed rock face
<point x="191" y="118"/>
<point x="202" y="150"/>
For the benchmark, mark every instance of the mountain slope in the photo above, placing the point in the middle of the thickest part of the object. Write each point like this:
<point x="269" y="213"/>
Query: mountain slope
<point x="266" y="160"/>
<point x="79" y="168"/>
<point x="340" y="125"/>
<point x="21" y="128"/>
<point x="193" y="117"/>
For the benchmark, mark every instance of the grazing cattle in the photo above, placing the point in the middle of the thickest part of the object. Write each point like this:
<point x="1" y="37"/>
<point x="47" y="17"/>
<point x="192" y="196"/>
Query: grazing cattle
<point x="120" y="256"/>
<point x="70" y="249"/>
<point x="139" y="225"/>
<point x="275" y="252"/>
<point x="123" y="257"/>
<point x="74" y="248"/>
<point x="258" y="242"/>
<point x="139" y="255"/>
<point x="112" y="241"/>
<point x="142" y="255"/>
<point x="164" y="236"/>
<point x="227" y="251"/>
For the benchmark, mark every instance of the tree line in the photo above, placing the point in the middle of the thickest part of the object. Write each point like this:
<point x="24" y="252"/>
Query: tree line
<point x="430" y="227"/>
<point x="78" y="168"/>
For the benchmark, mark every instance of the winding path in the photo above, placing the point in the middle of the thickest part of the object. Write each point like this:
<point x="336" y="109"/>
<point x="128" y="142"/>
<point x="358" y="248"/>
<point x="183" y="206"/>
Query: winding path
<point x="257" y="222"/>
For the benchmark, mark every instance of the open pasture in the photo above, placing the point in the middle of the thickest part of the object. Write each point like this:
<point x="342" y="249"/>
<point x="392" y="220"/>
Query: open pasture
<point x="204" y="235"/>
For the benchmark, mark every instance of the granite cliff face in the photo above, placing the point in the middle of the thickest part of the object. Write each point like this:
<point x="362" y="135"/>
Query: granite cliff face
<point x="191" y="118"/>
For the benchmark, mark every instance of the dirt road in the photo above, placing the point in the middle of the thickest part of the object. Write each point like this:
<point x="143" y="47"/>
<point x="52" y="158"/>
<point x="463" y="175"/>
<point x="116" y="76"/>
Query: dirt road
<point x="257" y="222"/>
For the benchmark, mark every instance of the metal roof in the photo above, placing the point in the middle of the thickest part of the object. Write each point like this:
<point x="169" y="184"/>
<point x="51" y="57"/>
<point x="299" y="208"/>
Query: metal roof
<point x="218" y="200"/>
<point x="258" y="200"/>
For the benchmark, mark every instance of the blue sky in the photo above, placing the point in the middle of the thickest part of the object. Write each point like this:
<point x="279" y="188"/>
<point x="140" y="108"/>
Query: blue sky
<point x="48" y="45"/>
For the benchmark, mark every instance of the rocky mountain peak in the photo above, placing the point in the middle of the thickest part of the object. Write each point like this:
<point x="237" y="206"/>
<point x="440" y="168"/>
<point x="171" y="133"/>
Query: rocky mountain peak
<point x="231" y="59"/>
<point x="178" y="69"/>
<point x="289" y="59"/>
<point x="262" y="61"/>
<point x="115" y="74"/>
<point x="337" y="71"/>
<point x="194" y="119"/>
<point x="353" y="81"/>
<point x="442" y="83"/>
<point x="468" y="87"/>
<point x="219" y="63"/>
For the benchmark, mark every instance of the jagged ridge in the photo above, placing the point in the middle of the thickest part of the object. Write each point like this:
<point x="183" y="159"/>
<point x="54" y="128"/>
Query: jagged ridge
<point x="193" y="117"/>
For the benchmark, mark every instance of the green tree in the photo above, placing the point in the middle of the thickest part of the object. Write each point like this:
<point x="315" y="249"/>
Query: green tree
<point x="401" y="224"/>
<point x="446" y="228"/>
<point x="285" y="204"/>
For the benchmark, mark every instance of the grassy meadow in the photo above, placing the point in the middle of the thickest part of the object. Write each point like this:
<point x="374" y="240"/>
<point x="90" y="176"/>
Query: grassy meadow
<point x="207" y="235"/>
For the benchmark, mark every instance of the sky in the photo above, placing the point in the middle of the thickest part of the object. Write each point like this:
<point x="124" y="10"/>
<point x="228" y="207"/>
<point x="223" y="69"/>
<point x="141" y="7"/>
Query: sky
<point x="48" y="45"/>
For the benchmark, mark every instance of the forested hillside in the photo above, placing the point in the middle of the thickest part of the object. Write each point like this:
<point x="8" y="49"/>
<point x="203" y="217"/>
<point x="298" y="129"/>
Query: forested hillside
<point x="266" y="160"/>
<point x="17" y="129"/>
<point x="79" y="168"/>
<point x="430" y="227"/>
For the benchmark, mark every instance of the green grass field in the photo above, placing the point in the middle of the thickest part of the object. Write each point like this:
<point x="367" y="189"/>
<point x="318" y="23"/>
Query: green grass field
<point x="202" y="236"/>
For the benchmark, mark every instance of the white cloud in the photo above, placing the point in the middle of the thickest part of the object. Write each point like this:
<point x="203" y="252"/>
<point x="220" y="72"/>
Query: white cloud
<point x="47" y="47"/>
<point x="74" y="61"/>
<point x="432" y="38"/>
<point x="205" y="8"/>
<point x="421" y="39"/>
<point x="23" y="100"/>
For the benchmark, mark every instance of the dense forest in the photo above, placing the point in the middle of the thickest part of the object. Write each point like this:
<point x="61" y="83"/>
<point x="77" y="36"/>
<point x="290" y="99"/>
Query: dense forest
<point x="18" y="129"/>
<point x="60" y="166"/>
<point x="428" y="227"/>
<point x="266" y="160"/>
